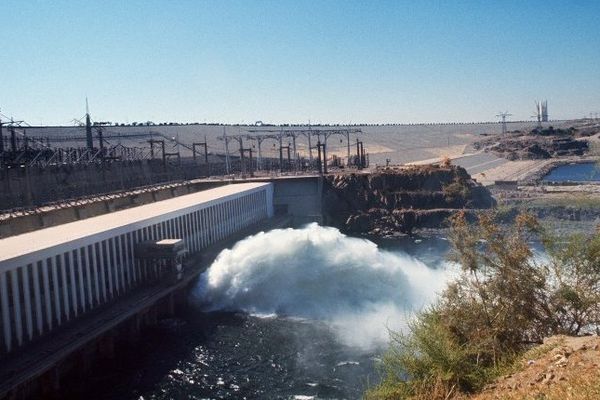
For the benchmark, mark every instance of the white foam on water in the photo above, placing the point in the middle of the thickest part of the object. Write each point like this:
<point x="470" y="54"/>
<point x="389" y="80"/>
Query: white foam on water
<point x="319" y="273"/>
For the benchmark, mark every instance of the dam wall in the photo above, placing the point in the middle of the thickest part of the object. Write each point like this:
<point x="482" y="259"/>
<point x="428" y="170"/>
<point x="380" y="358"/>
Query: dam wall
<point x="51" y="276"/>
<point x="34" y="186"/>
<point x="297" y="196"/>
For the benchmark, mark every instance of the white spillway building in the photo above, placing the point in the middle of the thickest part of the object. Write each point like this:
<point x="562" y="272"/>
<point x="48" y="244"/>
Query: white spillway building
<point x="53" y="275"/>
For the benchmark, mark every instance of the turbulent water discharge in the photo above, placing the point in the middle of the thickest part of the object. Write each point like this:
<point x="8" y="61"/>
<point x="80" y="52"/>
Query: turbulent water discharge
<point x="319" y="273"/>
<point x="286" y="314"/>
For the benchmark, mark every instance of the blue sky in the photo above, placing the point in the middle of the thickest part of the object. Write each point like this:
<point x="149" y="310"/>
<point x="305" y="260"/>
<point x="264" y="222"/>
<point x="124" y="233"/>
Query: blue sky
<point x="293" y="61"/>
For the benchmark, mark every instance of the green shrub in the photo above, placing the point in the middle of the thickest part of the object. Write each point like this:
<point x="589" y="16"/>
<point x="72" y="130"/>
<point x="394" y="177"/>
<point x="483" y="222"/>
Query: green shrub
<point x="457" y="190"/>
<point x="503" y="301"/>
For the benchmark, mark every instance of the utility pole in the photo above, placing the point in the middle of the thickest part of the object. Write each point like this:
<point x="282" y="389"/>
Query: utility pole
<point x="200" y="144"/>
<point x="295" y="154"/>
<point x="324" y="144"/>
<point x="309" y="145"/>
<point x="348" y="140"/>
<point x="322" y="164"/>
<point x="242" y="164"/>
<point x="363" y="160"/>
<point x="289" y="161"/>
<point x="13" y="137"/>
<point x="358" y="157"/>
<point x="281" y="151"/>
<point x="88" y="127"/>
<point x="319" y="157"/>
<point x="226" y="150"/>
<point x="249" y="151"/>
<point x="101" y="144"/>
<point x="503" y="116"/>
<point x="1" y="140"/>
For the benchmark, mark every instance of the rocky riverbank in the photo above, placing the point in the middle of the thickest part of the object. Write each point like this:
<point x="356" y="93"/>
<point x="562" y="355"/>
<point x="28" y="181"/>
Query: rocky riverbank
<point x="538" y="143"/>
<point x="391" y="201"/>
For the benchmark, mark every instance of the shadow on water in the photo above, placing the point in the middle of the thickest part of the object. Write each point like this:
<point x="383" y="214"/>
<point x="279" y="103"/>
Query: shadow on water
<point x="234" y="355"/>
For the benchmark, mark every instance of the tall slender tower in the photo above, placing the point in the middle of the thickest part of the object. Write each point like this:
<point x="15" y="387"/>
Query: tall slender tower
<point x="503" y="116"/>
<point x="541" y="111"/>
<point x="88" y="127"/>
<point x="545" y="111"/>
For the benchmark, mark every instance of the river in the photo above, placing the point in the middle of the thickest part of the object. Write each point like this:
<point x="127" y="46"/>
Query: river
<point x="287" y="314"/>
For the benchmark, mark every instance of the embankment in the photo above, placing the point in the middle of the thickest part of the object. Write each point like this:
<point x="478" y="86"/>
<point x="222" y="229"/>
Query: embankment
<point x="398" y="200"/>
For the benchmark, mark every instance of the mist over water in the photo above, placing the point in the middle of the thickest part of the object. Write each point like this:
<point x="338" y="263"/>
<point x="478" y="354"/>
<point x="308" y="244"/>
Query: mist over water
<point x="286" y="314"/>
<point x="318" y="273"/>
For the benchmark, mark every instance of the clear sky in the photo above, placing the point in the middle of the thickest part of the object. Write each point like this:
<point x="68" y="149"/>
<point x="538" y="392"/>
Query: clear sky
<point x="293" y="61"/>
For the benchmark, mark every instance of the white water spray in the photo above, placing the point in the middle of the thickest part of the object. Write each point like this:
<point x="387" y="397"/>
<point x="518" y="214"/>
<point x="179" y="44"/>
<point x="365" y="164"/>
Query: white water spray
<point x="319" y="273"/>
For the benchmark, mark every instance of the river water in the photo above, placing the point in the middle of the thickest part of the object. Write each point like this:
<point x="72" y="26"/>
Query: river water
<point x="582" y="172"/>
<point x="287" y="314"/>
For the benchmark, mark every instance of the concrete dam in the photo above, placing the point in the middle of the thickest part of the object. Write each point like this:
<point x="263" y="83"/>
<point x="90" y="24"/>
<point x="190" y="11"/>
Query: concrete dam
<point x="79" y="283"/>
<point x="67" y="290"/>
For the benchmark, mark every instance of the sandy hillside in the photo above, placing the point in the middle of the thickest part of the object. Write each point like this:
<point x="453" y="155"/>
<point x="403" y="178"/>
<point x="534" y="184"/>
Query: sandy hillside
<point x="563" y="368"/>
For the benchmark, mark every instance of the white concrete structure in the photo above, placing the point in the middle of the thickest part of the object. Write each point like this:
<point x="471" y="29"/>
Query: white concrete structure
<point x="53" y="275"/>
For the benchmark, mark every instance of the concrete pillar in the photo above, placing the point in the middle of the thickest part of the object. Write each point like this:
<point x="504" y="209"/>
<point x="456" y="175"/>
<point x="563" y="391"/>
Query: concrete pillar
<point x="37" y="295"/>
<point x="16" y="306"/>
<point x="206" y="223"/>
<point x="176" y="228"/>
<point x="203" y="225"/>
<point x="95" y="274"/>
<point x="102" y="270"/>
<point x="210" y="225"/>
<point x="46" y="265"/>
<point x="220" y="220"/>
<point x="27" y="300"/>
<point x="109" y="267"/>
<point x="122" y="260"/>
<point x="193" y="231"/>
<point x="197" y="230"/>
<point x="6" y="325"/>
<point x="226" y="218"/>
<point x="137" y="264"/>
<point x="234" y="209"/>
<point x="216" y="219"/>
<point x="215" y="211"/>
<point x="198" y="227"/>
<point x="114" y="264"/>
<point x="238" y="213"/>
<point x="188" y="232"/>
<point x="246" y="209"/>
<point x="85" y="263"/>
<point x="131" y="263"/>
<point x="180" y="226"/>
<point x="231" y="215"/>
<point x="223" y="221"/>
<point x="73" y="282"/>
<point x="65" y="286"/>
<point x="56" y="290"/>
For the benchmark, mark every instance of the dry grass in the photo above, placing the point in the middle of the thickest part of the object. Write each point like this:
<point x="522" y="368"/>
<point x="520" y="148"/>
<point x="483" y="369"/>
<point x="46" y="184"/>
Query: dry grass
<point x="565" y="368"/>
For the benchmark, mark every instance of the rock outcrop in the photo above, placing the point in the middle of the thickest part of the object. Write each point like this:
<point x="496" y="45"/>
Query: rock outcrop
<point x="399" y="200"/>
<point x="537" y="144"/>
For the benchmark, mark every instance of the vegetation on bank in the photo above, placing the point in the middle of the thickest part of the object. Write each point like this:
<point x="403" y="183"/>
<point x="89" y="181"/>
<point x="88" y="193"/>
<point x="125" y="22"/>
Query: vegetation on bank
<point x="505" y="299"/>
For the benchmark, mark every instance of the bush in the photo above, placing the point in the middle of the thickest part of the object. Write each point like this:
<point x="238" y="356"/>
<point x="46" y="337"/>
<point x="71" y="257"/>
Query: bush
<point x="575" y="284"/>
<point x="457" y="190"/>
<point x="503" y="301"/>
